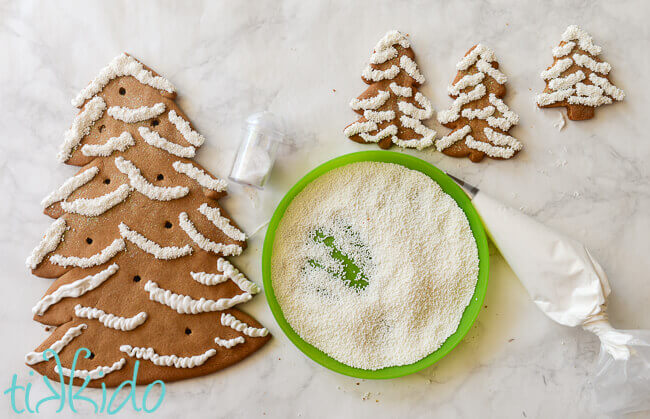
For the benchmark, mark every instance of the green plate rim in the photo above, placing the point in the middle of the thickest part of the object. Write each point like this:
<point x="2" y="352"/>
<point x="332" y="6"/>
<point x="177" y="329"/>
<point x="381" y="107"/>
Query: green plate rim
<point x="472" y="310"/>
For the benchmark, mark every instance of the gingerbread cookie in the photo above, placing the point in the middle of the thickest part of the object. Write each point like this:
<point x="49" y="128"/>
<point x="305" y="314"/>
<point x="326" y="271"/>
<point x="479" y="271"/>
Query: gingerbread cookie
<point x="392" y="109"/>
<point x="578" y="79"/>
<point x="479" y="118"/>
<point x="139" y="243"/>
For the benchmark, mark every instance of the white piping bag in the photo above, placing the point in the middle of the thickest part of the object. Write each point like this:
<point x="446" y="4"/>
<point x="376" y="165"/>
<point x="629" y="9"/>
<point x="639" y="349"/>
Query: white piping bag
<point x="571" y="288"/>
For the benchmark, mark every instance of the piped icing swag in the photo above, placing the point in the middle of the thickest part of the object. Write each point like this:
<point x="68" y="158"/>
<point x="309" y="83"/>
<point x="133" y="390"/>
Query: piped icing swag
<point x="139" y="243"/>
<point x="391" y="107"/>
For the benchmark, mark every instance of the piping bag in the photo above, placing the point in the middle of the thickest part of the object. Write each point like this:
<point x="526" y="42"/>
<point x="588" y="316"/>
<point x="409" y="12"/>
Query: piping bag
<point x="571" y="288"/>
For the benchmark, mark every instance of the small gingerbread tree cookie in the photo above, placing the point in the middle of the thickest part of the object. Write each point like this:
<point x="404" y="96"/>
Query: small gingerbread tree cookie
<point x="478" y="117"/>
<point x="391" y="107"/>
<point x="577" y="79"/>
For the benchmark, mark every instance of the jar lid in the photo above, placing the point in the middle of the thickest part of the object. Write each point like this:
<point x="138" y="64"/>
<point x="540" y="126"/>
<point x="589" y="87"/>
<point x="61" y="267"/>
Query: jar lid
<point x="268" y="123"/>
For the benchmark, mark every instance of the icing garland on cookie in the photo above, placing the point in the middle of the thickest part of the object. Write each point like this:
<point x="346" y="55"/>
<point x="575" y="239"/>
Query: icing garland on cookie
<point x="452" y="114"/>
<point x="371" y="103"/>
<point x="110" y="320"/>
<point x="133" y="115"/>
<point x="35" y="357"/>
<point x="92" y="207"/>
<point x="142" y="185"/>
<point x="99" y="372"/>
<point x="570" y="88"/>
<point x="200" y="176"/>
<point x="229" y="343"/>
<point x="228" y="272"/>
<point x="184" y="304"/>
<point x="158" y="251"/>
<point x="222" y="223"/>
<point x="508" y="145"/>
<point x="168" y="360"/>
<point x="74" y="289"/>
<point x="184" y="128"/>
<point x="122" y="65"/>
<point x="81" y="125"/>
<point x="154" y="139"/>
<point x="113" y="144"/>
<point x="205" y="243"/>
<point x="231" y="321"/>
<point x="97" y="259"/>
<point x="482" y="56"/>
<point x="69" y="186"/>
<point x="48" y="243"/>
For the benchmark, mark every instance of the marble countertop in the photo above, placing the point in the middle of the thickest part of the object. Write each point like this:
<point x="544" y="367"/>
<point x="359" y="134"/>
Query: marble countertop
<point x="302" y="60"/>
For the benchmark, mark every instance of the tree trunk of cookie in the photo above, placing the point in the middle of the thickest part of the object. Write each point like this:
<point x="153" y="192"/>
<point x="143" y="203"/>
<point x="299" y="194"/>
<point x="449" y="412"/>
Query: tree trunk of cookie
<point x="580" y="112"/>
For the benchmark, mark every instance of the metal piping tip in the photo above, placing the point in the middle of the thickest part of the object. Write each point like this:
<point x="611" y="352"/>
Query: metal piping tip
<point x="471" y="190"/>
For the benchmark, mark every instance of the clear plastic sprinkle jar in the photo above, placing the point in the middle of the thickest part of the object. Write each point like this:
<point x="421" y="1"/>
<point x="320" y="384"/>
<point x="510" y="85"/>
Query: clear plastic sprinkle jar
<point x="263" y="135"/>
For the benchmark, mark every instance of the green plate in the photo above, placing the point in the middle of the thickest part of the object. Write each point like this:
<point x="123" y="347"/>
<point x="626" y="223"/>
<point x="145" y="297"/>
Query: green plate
<point x="471" y="312"/>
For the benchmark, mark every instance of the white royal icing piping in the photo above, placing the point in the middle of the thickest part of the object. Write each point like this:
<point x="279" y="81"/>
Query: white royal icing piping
<point x="69" y="186"/>
<point x="504" y="145"/>
<point x="158" y="251"/>
<point x="48" y="243"/>
<point x="567" y="82"/>
<point x="453" y="113"/>
<point x="384" y="49"/>
<point x="556" y="69"/>
<point x="359" y="127"/>
<point x="609" y="88"/>
<point x="419" y="143"/>
<point x="379" y="116"/>
<point x="142" y="185"/>
<point x="133" y="115"/>
<point x="154" y="139"/>
<point x="184" y="128"/>
<point x="563" y="50"/>
<point x="222" y="223"/>
<point x="122" y="65"/>
<point x="411" y="68"/>
<point x="203" y="242"/>
<point x="469" y="80"/>
<point x="480" y="113"/>
<point x="411" y="110"/>
<point x="401" y="90"/>
<point x="110" y="320"/>
<point x="168" y="360"/>
<point x="184" y="304"/>
<point x="100" y="258"/>
<point x="507" y="119"/>
<point x="36" y="357"/>
<point x="202" y="178"/>
<point x="390" y="130"/>
<point x="585" y="61"/>
<point x="92" y="207"/>
<point x="231" y="321"/>
<point x="229" y="272"/>
<point x="472" y="57"/>
<point x="93" y="110"/>
<point x="575" y="33"/>
<point x="99" y="372"/>
<point x="485" y="67"/>
<point x="379" y="75"/>
<point x="544" y="99"/>
<point x="453" y="138"/>
<point x="229" y="343"/>
<point x="113" y="144"/>
<point x="74" y="289"/>
<point x="371" y="103"/>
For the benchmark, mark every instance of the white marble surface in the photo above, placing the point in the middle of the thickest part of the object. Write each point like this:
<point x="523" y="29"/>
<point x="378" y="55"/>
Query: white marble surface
<point x="302" y="60"/>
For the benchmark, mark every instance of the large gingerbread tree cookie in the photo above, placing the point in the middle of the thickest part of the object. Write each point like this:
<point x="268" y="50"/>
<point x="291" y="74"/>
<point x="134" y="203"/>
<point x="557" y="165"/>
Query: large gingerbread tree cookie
<point x="392" y="109"/>
<point x="578" y="79"/>
<point x="139" y="244"/>
<point x="479" y="118"/>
